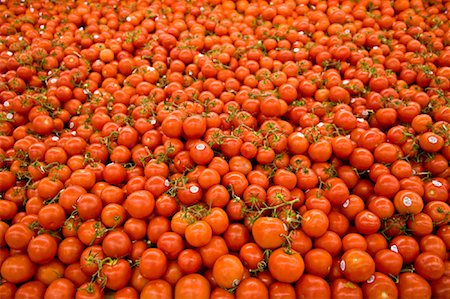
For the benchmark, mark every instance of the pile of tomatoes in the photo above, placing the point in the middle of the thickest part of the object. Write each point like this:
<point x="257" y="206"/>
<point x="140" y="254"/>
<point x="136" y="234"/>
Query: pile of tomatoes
<point x="224" y="149"/>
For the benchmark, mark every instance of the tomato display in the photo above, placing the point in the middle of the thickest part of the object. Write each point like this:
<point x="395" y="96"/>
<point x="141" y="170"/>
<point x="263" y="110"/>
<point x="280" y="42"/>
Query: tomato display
<point x="224" y="149"/>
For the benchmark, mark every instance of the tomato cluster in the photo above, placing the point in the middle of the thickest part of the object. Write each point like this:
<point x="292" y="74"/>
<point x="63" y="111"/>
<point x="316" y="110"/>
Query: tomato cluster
<point x="224" y="149"/>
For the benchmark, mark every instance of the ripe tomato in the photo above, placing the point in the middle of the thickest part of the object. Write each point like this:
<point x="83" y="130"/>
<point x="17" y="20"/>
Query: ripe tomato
<point x="357" y="265"/>
<point x="379" y="286"/>
<point x="269" y="232"/>
<point x="388" y="261"/>
<point x="18" y="268"/>
<point x="412" y="285"/>
<point x="42" y="249"/>
<point x="252" y="288"/>
<point x="153" y="263"/>
<point x="311" y="286"/>
<point x="192" y="286"/>
<point x="228" y="271"/>
<point x="318" y="262"/>
<point x="286" y="266"/>
<point x="157" y="289"/>
<point x="314" y="223"/>
<point x="61" y="287"/>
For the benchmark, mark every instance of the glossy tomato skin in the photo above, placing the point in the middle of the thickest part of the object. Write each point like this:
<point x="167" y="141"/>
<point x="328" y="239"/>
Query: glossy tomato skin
<point x="228" y="271"/>
<point x="192" y="286"/>
<point x="286" y="266"/>
<point x="238" y="149"/>
<point x="413" y="285"/>
<point x="153" y="263"/>
<point x="268" y="232"/>
<point x="357" y="265"/>
<point x="309" y="286"/>
<point x="18" y="268"/>
<point x="379" y="286"/>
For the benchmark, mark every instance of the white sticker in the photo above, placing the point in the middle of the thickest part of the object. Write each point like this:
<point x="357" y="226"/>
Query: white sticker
<point x="194" y="189"/>
<point x="6" y="104"/>
<point x="371" y="279"/>
<point x="407" y="201"/>
<point x="346" y="203"/>
<point x="167" y="183"/>
<point x="434" y="182"/>
<point x="342" y="265"/>
<point x="9" y="116"/>
<point x="433" y="139"/>
<point x="200" y="146"/>
<point x="394" y="248"/>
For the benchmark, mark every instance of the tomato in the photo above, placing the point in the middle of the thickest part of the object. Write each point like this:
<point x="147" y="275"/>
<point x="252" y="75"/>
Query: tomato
<point x="357" y="265"/>
<point x="18" y="268"/>
<point x="412" y="285"/>
<point x="171" y="244"/>
<point x="408" y="202"/>
<point x="268" y="232"/>
<point x="192" y="286"/>
<point x="89" y="290"/>
<point x="440" y="287"/>
<point x="281" y="290"/>
<point x="190" y="261"/>
<point x="314" y="223"/>
<point x="388" y="261"/>
<point x="127" y="292"/>
<point x="60" y="288"/>
<point x="42" y="249"/>
<point x="342" y="287"/>
<point x="286" y="266"/>
<point x="51" y="216"/>
<point x="18" y="236"/>
<point x="31" y="289"/>
<point x="434" y="268"/>
<point x="379" y="286"/>
<point x="172" y="134"/>
<point x="153" y="263"/>
<point x="116" y="274"/>
<point x="198" y="234"/>
<point x="434" y="244"/>
<point x="7" y="290"/>
<point x="157" y="289"/>
<point x="49" y="272"/>
<point x="228" y="271"/>
<point x="367" y="222"/>
<point x="252" y="288"/>
<point x="139" y="204"/>
<point x="406" y="246"/>
<point x="318" y="262"/>
<point x="311" y="286"/>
